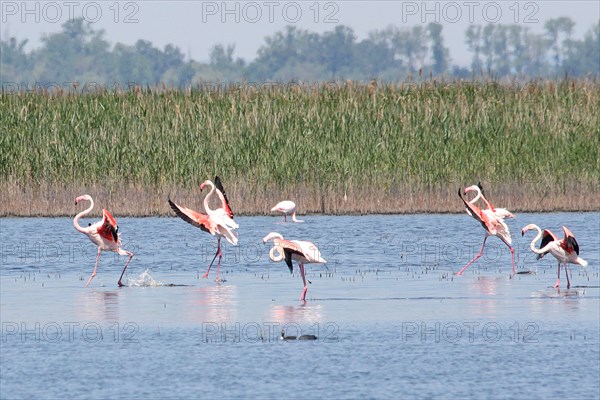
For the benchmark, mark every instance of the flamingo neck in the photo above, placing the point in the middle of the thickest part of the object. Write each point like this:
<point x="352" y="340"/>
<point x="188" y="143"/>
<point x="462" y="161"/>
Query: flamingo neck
<point x="480" y="196"/>
<point x="538" y="237"/>
<point x="276" y="257"/>
<point x="476" y="197"/>
<point x="296" y="219"/>
<point x="82" y="214"/>
<point x="209" y="195"/>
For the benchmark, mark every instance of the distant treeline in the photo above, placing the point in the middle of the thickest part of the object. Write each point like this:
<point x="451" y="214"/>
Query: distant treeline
<point x="81" y="54"/>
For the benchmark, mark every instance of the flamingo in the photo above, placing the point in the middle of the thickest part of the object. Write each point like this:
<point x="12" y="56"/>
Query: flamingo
<point x="104" y="234"/>
<point x="287" y="207"/>
<point x="493" y="225"/>
<point x="565" y="250"/>
<point x="217" y="222"/>
<point x="302" y="251"/>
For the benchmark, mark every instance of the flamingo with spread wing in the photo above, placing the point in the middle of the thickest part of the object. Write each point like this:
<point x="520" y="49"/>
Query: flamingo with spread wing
<point x="218" y="222"/>
<point x="104" y="234"/>
<point x="565" y="250"/>
<point x="493" y="225"/>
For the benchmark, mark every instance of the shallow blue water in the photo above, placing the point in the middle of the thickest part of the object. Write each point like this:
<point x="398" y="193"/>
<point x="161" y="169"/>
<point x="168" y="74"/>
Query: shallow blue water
<point x="391" y="318"/>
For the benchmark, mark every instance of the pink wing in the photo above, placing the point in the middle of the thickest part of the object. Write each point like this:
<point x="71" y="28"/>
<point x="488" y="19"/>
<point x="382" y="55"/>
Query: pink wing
<point x="569" y="243"/>
<point x="192" y="217"/>
<point x="109" y="229"/>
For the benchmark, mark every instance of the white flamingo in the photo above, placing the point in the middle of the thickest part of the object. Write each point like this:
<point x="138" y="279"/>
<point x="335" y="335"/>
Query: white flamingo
<point x="301" y="251"/>
<point x="287" y="207"/>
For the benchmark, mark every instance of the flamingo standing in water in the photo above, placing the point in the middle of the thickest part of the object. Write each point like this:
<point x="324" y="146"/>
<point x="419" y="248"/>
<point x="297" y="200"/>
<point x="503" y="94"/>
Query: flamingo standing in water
<point x="287" y="207"/>
<point x="104" y="234"/>
<point x="217" y="222"/>
<point x="565" y="250"/>
<point x="493" y="225"/>
<point x="302" y="251"/>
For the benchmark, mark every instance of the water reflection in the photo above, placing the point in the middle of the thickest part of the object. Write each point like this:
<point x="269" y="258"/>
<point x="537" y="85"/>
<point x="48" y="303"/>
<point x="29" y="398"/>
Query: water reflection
<point x="305" y="313"/>
<point x="214" y="303"/>
<point x="97" y="305"/>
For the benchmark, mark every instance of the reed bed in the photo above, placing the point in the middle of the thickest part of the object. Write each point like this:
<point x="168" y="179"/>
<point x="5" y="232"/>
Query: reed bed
<point x="347" y="148"/>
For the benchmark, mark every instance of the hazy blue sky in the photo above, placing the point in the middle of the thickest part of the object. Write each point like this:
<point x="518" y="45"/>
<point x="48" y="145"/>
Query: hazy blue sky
<point x="195" y="26"/>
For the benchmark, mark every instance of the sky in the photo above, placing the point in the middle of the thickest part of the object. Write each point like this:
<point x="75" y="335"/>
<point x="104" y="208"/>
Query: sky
<point x="196" y="26"/>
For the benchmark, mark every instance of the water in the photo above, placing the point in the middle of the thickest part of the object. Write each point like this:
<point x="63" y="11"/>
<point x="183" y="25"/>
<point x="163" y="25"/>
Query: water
<point x="391" y="318"/>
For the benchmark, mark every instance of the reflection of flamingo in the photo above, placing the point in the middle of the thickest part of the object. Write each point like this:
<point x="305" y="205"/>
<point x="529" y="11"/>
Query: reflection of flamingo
<point x="301" y="251"/>
<point x="217" y="222"/>
<point x="494" y="226"/>
<point x="104" y="234"/>
<point x="565" y="250"/>
<point x="287" y="207"/>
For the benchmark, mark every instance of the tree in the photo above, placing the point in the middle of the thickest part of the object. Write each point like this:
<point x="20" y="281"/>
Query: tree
<point x="439" y="53"/>
<point x="14" y="62"/>
<point x="554" y="28"/>
<point x="473" y="40"/>
<point x="336" y="49"/>
<point x="518" y="54"/>
<point x="410" y="46"/>
<point x="488" y="48"/>
<point x="502" y="57"/>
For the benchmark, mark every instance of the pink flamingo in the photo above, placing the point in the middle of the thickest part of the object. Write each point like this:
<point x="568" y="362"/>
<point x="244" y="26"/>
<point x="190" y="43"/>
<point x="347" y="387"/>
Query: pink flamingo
<point x="217" y="222"/>
<point x="104" y="234"/>
<point x="565" y="250"/>
<point x="287" y="207"/>
<point x="493" y="225"/>
<point x="302" y="251"/>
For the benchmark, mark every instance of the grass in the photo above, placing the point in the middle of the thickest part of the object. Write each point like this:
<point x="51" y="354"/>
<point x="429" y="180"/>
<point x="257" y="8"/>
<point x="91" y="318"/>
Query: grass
<point x="351" y="148"/>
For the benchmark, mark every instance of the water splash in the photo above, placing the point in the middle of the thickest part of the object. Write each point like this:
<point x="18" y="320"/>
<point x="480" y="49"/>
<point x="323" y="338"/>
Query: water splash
<point x="144" y="280"/>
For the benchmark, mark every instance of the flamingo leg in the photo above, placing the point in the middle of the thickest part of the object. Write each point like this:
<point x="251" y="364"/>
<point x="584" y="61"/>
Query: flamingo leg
<point x="219" y="262"/>
<point x="567" y="274"/>
<point x="126" y="265"/>
<point x="475" y="258"/>
<point x="95" y="267"/>
<point x="512" y="254"/>
<point x="557" y="284"/>
<point x="303" y="296"/>
<point x="217" y="253"/>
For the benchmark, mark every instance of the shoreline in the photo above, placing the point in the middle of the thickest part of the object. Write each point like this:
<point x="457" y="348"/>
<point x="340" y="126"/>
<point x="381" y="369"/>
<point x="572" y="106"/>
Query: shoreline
<point x="135" y="201"/>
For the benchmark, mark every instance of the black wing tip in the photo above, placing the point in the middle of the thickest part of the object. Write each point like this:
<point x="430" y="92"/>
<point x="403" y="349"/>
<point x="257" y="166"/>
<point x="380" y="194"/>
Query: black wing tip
<point x="115" y="233"/>
<point x="481" y="188"/>
<point x="288" y="259"/>
<point x="571" y="241"/>
<point x="219" y="184"/>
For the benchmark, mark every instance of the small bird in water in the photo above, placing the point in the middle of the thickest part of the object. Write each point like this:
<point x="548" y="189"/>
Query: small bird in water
<point x="303" y="337"/>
